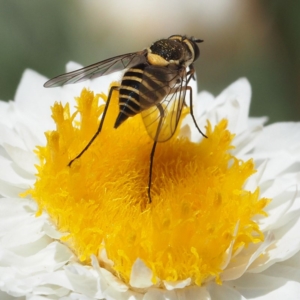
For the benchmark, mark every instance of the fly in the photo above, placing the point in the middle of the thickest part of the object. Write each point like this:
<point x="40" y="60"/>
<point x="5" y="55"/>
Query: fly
<point x="154" y="84"/>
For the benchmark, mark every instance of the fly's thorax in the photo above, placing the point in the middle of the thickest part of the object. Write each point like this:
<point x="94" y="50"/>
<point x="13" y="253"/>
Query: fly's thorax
<point x="164" y="52"/>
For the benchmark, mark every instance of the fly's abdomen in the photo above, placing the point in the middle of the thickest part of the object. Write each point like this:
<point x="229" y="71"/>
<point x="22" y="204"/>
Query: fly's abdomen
<point x="138" y="91"/>
<point x="129" y="94"/>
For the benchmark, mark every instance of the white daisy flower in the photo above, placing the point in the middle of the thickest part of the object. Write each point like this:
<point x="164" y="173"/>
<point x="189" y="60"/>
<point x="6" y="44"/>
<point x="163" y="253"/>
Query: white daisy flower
<point x="224" y="219"/>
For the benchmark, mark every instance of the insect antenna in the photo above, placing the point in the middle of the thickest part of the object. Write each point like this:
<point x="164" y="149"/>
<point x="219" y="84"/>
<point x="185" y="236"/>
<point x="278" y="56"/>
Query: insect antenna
<point x="113" y="88"/>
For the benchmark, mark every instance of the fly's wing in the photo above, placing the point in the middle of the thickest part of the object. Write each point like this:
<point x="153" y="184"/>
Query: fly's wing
<point x="101" y="68"/>
<point x="162" y="97"/>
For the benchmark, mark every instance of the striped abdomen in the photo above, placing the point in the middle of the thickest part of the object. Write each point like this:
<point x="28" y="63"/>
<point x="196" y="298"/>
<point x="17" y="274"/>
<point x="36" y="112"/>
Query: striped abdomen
<point x="140" y="89"/>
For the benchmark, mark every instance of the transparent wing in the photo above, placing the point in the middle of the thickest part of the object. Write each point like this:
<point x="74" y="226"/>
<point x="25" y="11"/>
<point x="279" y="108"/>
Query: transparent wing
<point x="166" y="94"/>
<point x="101" y="68"/>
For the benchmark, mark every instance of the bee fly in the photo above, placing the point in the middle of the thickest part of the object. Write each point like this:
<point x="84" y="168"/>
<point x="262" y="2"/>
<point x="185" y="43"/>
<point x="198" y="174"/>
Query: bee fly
<point x="154" y="84"/>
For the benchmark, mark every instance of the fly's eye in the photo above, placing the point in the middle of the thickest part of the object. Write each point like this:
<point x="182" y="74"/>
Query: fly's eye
<point x="195" y="47"/>
<point x="196" y="51"/>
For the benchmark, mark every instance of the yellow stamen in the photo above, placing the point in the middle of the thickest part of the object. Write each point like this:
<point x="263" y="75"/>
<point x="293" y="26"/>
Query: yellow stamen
<point x="198" y="200"/>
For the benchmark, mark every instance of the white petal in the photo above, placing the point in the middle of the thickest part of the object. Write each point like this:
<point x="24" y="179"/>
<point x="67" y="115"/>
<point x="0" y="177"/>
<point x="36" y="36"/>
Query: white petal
<point x="10" y="137"/>
<point x="73" y="66"/>
<point x="253" y="181"/>
<point x="32" y="98"/>
<point x="47" y="292"/>
<point x="228" y="253"/>
<point x="112" y="294"/>
<point x="257" y="121"/>
<point x="285" y="204"/>
<point x="284" y="271"/>
<point x="233" y="104"/>
<point x="8" y="190"/>
<point x="22" y="158"/>
<point x="180" y="284"/>
<point x="204" y="101"/>
<point x="224" y="292"/>
<point x="263" y="287"/>
<point x="182" y="294"/>
<point x="83" y="280"/>
<point x="276" y="166"/>
<point x="76" y="296"/>
<point x="246" y="141"/>
<point x="5" y="296"/>
<point x="20" y="275"/>
<point x="5" y="117"/>
<point x="241" y="262"/>
<point x="108" y="277"/>
<point x="280" y="137"/>
<point x="104" y="259"/>
<point x="286" y="244"/>
<point x="141" y="276"/>
<point x="44" y="260"/>
<point x="13" y="175"/>
<point x="31" y="137"/>
<point x="51" y="231"/>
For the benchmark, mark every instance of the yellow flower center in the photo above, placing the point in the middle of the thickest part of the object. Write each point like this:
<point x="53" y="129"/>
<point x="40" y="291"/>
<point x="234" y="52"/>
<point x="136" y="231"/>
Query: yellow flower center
<point x="199" y="208"/>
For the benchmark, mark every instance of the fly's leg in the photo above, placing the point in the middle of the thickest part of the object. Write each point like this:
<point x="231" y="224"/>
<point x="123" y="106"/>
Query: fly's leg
<point x="150" y="171"/>
<point x="160" y="108"/>
<point x="192" y="110"/>
<point x="153" y="150"/>
<point x="113" y="88"/>
<point x="190" y="75"/>
<point x="192" y="72"/>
